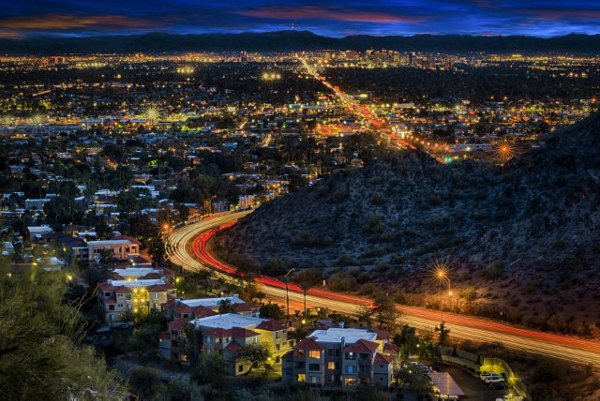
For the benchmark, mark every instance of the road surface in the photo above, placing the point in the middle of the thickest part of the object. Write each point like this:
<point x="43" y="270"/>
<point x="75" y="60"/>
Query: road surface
<point x="187" y="248"/>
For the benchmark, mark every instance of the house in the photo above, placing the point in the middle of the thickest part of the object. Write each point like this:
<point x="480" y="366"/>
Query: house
<point x="36" y="232"/>
<point x="341" y="356"/>
<point x="224" y="334"/>
<point x="121" y="248"/>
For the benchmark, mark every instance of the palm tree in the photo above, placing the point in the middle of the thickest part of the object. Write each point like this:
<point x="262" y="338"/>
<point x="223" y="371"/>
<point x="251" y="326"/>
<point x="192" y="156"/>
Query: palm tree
<point x="307" y="279"/>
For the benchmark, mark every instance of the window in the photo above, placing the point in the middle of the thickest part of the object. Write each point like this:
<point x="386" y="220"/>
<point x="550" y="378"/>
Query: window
<point x="107" y="294"/>
<point x="300" y="353"/>
<point x="301" y="378"/>
<point x="314" y="354"/>
<point x="350" y="355"/>
<point x="155" y="295"/>
<point x="128" y="297"/>
<point x="350" y="369"/>
<point x="330" y="352"/>
<point x="314" y="367"/>
<point x="331" y="365"/>
<point x="111" y="307"/>
<point x="240" y="368"/>
<point x="277" y="359"/>
<point x="364" y="356"/>
<point x="348" y="381"/>
<point x="277" y="347"/>
<point x="314" y="380"/>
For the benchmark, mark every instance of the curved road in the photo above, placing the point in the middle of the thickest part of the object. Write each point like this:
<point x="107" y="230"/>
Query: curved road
<point x="187" y="248"/>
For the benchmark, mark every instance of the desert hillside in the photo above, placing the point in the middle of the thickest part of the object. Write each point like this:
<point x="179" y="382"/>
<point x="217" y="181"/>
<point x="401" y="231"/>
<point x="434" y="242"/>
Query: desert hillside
<point x="529" y="227"/>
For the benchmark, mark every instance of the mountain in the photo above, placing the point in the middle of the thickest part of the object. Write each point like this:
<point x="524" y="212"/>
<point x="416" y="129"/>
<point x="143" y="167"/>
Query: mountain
<point x="294" y="40"/>
<point x="522" y="239"/>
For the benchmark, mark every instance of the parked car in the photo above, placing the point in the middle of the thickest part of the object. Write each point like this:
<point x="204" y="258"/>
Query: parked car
<point x="494" y="378"/>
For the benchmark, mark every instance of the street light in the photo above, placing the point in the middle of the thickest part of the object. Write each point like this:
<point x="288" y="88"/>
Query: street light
<point x="287" y="294"/>
<point x="441" y="274"/>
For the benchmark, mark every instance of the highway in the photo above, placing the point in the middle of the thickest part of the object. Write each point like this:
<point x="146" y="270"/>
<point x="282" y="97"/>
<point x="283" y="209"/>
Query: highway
<point x="381" y="126"/>
<point x="187" y="248"/>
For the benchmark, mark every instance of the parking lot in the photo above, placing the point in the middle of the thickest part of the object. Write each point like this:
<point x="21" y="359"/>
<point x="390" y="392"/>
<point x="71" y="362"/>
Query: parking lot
<point x="472" y="386"/>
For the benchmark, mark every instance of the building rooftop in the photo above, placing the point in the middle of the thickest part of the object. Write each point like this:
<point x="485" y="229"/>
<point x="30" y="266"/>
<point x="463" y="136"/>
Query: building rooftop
<point x="136" y="271"/>
<point x="445" y="384"/>
<point x="109" y="242"/>
<point x="211" y="302"/>
<point x="335" y="335"/>
<point x="136" y="283"/>
<point x="228" y="321"/>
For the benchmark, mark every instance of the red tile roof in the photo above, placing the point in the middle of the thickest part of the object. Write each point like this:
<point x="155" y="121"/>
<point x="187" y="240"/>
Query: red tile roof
<point x="245" y="307"/>
<point x="105" y="287"/>
<point x="309" y="344"/>
<point x="381" y="334"/>
<point x="242" y="332"/>
<point x="390" y="348"/>
<point x="362" y="346"/>
<point x="271" y="325"/>
<point x="232" y="347"/>
<point x="160" y="287"/>
<point x="218" y="332"/>
<point x="178" y="324"/>
<point x="383" y="359"/>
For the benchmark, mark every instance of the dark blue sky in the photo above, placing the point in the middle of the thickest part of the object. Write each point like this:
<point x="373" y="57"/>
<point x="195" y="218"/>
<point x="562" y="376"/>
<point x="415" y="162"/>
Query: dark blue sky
<point x="20" y="18"/>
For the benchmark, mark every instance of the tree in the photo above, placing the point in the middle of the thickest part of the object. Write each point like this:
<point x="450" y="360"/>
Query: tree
<point x="271" y="311"/>
<point x="144" y="381"/>
<point x="225" y="306"/>
<point x="385" y="311"/>
<point x="41" y="356"/>
<point x="63" y="210"/>
<point x="256" y="354"/>
<point x="307" y="279"/>
<point x="210" y="369"/>
<point x="365" y="315"/>
<point x="444" y="334"/>
<point x="407" y="340"/>
<point x="179" y="390"/>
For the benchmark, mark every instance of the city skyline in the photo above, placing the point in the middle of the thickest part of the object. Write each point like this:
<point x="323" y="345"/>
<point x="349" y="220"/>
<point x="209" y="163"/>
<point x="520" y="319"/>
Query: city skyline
<point x="330" y="18"/>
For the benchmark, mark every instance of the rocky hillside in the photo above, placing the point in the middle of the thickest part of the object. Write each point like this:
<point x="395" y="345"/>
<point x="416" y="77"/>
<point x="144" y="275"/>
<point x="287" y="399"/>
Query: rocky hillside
<point x="529" y="229"/>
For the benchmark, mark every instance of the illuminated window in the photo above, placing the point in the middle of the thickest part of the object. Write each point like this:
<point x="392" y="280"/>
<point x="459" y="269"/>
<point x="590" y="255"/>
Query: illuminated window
<point x="331" y="365"/>
<point x="314" y="354"/>
<point x="301" y="378"/>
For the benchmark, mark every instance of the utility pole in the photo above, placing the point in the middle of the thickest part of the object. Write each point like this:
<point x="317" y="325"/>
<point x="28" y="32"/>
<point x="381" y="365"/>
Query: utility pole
<point x="287" y="294"/>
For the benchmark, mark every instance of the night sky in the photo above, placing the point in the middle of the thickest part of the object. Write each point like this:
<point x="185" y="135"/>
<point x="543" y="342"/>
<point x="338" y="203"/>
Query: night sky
<point x="23" y="18"/>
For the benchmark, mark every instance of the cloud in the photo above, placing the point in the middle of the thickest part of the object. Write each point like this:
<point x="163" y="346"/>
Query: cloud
<point x="551" y="14"/>
<point x="69" y="22"/>
<point x="317" y="13"/>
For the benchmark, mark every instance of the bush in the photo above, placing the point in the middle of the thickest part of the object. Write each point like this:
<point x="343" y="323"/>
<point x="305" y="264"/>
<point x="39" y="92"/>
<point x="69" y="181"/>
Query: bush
<point x="494" y="270"/>
<point x="342" y="282"/>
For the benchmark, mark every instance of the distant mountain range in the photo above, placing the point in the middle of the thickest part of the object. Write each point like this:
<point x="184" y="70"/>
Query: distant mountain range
<point x="295" y="40"/>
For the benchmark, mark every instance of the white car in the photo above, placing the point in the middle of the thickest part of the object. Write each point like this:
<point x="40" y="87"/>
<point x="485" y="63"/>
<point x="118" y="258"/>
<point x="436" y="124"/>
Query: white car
<point x="493" y="378"/>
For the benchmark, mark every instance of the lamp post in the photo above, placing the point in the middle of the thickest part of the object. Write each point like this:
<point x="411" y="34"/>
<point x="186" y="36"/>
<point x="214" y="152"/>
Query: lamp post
<point x="287" y="294"/>
<point x="441" y="275"/>
<point x="210" y="205"/>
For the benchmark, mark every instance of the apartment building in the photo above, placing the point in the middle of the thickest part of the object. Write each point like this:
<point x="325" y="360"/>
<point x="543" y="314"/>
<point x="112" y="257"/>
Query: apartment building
<point x="203" y="307"/>
<point x="342" y="356"/>
<point x="119" y="298"/>
<point x="225" y="334"/>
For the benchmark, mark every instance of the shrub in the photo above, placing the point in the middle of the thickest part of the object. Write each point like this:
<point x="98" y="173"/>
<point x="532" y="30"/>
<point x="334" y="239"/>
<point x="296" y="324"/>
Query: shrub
<point x="342" y="282"/>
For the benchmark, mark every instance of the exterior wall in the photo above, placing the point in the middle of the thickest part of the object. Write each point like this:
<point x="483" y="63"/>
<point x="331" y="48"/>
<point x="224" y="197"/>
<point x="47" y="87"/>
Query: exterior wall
<point x="382" y="375"/>
<point x="120" y="251"/>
